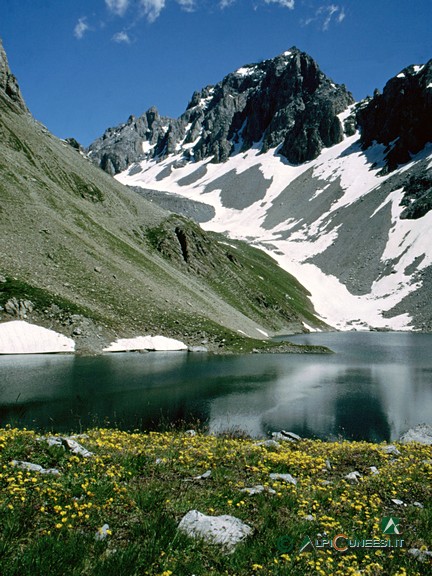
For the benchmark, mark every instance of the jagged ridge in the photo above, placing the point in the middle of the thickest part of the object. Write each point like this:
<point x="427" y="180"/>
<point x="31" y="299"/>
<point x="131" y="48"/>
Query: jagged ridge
<point x="400" y="117"/>
<point x="8" y="82"/>
<point x="284" y="101"/>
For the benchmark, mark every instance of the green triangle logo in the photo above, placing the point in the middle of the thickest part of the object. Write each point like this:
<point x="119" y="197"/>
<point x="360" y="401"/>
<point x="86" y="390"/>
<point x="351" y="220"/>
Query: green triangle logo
<point x="390" y="525"/>
<point x="306" y="545"/>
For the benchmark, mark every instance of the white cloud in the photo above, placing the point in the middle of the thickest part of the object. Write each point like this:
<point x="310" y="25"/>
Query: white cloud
<point x="187" y="5"/>
<point x="325" y="15"/>
<point x="118" y="7"/>
<point x="152" y="8"/>
<point x="81" y="28"/>
<point x="225" y="3"/>
<point x="121" y="38"/>
<point x="285" y="3"/>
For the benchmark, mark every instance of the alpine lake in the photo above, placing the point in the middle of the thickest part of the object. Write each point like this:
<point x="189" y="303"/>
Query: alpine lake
<point x="374" y="387"/>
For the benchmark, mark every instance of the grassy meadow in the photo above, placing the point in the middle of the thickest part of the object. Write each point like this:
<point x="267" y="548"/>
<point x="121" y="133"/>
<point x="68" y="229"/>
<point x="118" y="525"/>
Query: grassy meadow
<point x="141" y="485"/>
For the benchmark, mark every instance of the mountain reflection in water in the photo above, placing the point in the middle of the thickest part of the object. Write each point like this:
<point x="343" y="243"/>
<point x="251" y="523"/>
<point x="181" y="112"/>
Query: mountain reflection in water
<point x="375" y="387"/>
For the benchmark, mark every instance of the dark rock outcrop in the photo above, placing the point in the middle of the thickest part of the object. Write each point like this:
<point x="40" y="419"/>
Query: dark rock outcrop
<point x="148" y="136"/>
<point x="400" y="117"/>
<point x="417" y="197"/>
<point x="284" y="101"/>
<point x="8" y="82"/>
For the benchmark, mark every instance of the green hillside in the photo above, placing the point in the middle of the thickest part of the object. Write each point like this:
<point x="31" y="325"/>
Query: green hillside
<point x="98" y="261"/>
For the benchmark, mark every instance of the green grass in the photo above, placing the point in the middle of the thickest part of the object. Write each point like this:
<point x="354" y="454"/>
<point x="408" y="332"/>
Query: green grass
<point x="142" y="485"/>
<point x="245" y="277"/>
<point x="41" y="298"/>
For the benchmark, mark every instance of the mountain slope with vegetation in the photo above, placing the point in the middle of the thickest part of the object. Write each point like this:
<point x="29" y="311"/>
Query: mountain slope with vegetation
<point x="77" y="247"/>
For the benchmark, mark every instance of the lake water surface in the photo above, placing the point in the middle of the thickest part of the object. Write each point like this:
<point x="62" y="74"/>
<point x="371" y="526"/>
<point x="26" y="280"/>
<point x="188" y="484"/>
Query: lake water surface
<point x="375" y="387"/>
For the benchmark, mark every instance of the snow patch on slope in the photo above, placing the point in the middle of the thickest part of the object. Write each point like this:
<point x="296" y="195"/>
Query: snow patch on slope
<point x="155" y="343"/>
<point x="19" y="337"/>
<point x="345" y="166"/>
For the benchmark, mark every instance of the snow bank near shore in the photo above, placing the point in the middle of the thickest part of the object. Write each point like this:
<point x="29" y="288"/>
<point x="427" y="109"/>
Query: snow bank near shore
<point x="159" y="343"/>
<point x="19" y="337"/>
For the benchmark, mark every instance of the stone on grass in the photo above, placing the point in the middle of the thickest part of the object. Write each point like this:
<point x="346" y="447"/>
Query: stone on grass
<point x="102" y="532"/>
<point x="390" y="449"/>
<point x="206" y="474"/>
<point x="284" y="477"/>
<point x="421" y="433"/>
<point x="67" y="442"/>
<point x="269" y="444"/>
<point x="398" y="502"/>
<point x="374" y="470"/>
<point x="353" y="476"/>
<point x="286" y="436"/>
<point x="226" y="531"/>
<point x="258" y="489"/>
<point x="34" y="467"/>
<point x="420" y="555"/>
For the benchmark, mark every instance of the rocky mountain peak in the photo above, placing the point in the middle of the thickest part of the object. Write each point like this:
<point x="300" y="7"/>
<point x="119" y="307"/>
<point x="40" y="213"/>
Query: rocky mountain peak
<point x="400" y="117"/>
<point x="285" y="101"/>
<point x="8" y="82"/>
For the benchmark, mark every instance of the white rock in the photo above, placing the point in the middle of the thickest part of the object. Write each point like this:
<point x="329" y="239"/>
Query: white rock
<point x="34" y="467"/>
<point x="269" y="444"/>
<point x="284" y="477"/>
<point x="390" y="449"/>
<point x="374" y="470"/>
<point x="159" y="343"/>
<point x="225" y="530"/>
<point x="286" y="436"/>
<point x="76" y="448"/>
<point x="19" y="337"/>
<point x="328" y="465"/>
<point x="206" y="474"/>
<point x="309" y="518"/>
<point x="258" y="489"/>
<point x="397" y="502"/>
<point x="421" y="555"/>
<point x="52" y="441"/>
<point x="418" y="504"/>
<point x="197" y="349"/>
<point x="102" y="532"/>
<point x="421" y="433"/>
<point x="68" y="442"/>
<point x="190" y="433"/>
<point x="353" y="476"/>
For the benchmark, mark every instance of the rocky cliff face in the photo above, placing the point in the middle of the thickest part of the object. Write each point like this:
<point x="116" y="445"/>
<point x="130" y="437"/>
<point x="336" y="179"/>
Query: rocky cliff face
<point x="284" y="101"/>
<point x="400" y="117"/>
<point x="8" y="82"/>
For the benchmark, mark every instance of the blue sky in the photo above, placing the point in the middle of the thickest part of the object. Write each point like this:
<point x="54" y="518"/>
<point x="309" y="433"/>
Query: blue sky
<point x="84" y="65"/>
